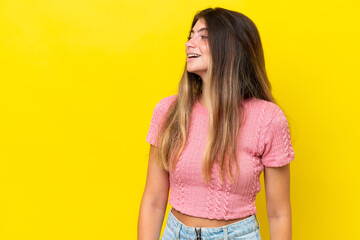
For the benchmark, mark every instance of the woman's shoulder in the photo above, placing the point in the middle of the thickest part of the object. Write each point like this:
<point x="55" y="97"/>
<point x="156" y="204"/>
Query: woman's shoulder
<point x="163" y="105"/>
<point x="168" y="99"/>
<point x="260" y="106"/>
<point x="165" y="102"/>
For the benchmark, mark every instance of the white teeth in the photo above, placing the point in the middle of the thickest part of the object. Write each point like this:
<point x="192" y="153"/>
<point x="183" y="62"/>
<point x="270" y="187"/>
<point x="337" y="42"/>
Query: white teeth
<point x="193" y="55"/>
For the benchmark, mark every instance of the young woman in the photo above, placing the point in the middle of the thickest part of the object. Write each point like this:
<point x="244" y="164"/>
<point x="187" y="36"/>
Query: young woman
<point x="211" y="141"/>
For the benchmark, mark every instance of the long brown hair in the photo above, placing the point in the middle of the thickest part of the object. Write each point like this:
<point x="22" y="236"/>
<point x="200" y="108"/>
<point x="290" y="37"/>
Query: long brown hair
<point x="236" y="71"/>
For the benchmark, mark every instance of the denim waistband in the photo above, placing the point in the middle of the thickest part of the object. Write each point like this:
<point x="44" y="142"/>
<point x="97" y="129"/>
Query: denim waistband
<point x="239" y="228"/>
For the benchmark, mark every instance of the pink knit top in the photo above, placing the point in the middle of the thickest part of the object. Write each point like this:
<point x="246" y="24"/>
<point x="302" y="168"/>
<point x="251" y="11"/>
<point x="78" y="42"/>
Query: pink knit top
<point x="264" y="140"/>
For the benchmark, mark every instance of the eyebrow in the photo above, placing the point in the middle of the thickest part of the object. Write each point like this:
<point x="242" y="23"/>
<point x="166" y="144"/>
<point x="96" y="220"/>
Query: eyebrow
<point x="200" y="30"/>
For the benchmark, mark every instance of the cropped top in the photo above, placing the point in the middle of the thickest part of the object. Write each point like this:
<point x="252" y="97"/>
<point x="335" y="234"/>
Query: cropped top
<point x="264" y="140"/>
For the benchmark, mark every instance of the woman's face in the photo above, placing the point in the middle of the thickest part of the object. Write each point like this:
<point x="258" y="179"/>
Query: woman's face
<point x="198" y="45"/>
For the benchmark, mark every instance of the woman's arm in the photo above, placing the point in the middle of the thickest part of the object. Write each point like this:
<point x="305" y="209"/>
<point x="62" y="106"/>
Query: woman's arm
<point x="154" y="200"/>
<point x="277" y="190"/>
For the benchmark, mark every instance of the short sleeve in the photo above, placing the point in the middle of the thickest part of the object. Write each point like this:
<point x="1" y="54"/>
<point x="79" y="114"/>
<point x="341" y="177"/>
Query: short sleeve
<point x="157" y="118"/>
<point x="278" y="149"/>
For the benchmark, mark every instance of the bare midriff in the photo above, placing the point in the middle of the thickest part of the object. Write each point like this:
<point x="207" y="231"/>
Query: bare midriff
<point x="191" y="221"/>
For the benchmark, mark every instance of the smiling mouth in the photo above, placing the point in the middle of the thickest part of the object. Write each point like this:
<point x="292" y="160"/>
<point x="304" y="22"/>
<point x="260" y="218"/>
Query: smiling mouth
<point x="193" y="56"/>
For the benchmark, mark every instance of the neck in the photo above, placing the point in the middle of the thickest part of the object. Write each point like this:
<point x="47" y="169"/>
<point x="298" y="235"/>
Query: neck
<point x="202" y="98"/>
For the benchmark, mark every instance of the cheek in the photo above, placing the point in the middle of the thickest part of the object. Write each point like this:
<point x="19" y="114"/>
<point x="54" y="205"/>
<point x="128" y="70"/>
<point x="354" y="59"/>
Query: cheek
<point x="206" y="51"/>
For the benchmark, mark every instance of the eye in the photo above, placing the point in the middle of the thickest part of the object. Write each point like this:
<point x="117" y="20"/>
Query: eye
<point x="202" y="37"/>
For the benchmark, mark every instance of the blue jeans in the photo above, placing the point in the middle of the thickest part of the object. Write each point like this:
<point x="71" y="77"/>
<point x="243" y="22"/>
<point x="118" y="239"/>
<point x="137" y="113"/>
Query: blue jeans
<point x="246" y="229"/>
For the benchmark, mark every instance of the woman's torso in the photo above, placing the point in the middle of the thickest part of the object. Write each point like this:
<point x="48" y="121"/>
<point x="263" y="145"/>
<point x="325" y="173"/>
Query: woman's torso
<point x="228" y="201"/>
<point x="191" y="196"/>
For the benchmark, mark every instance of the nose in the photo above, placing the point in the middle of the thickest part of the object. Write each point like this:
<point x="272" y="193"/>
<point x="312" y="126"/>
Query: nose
<point x="190" y="43"/>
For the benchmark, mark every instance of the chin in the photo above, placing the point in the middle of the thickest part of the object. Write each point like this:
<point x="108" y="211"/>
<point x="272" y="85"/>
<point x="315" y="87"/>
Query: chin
<point x="195" y="71"/>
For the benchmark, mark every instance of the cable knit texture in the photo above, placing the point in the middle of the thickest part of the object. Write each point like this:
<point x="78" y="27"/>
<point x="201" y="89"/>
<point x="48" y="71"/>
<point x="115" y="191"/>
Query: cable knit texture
<point x="264" y="140"/>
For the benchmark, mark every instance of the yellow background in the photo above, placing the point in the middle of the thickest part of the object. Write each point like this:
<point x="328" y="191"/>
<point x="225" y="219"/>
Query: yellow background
<point x="79" y="81"/>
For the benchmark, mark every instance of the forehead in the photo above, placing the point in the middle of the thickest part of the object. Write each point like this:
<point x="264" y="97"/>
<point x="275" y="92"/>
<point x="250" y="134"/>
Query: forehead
<point x="199" y="26"/>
